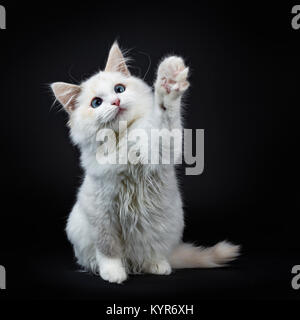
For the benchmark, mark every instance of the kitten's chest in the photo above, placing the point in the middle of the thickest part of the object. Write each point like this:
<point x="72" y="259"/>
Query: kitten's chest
<point x="138" y="198"/>
<point x="131" y="188"/>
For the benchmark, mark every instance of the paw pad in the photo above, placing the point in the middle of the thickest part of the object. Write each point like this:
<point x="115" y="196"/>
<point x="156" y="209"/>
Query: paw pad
<point x="172" y="75"/>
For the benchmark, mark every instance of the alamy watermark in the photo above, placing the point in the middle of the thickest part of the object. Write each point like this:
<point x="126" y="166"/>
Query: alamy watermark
<point x="296" y="19"/>
<point x="2" y="278"/>
<point x="2" y="17"/>
<point x="296" y="278"/>
<point x="152" y="146"/>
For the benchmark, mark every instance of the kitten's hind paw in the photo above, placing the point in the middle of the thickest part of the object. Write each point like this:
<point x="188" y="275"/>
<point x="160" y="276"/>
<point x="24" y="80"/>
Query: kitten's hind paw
<point x="172" y="76"/>
<point x="161" y="267"/>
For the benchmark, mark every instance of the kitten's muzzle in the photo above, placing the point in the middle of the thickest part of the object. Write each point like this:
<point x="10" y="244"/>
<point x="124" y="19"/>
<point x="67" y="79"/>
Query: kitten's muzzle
<point x="116" y="102"/>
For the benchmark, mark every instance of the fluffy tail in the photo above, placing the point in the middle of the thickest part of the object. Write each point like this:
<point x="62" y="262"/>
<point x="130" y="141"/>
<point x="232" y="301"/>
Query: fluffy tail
<point x="188" y="256"/>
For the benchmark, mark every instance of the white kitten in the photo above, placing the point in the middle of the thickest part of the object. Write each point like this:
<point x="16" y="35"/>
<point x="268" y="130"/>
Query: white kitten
<point x="129" y="217"/>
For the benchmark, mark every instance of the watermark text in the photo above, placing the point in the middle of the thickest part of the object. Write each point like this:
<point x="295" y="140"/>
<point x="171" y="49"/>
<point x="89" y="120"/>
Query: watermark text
<point x="296" y="278"/>
<point x="2" y="278"/>
<point x="152" y="146"/>
<point x="2" y="17"/>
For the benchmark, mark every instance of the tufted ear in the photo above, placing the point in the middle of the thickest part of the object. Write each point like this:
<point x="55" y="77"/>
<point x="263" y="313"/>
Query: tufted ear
<point x="66" y="94"/>
<point x="116" y="61"/>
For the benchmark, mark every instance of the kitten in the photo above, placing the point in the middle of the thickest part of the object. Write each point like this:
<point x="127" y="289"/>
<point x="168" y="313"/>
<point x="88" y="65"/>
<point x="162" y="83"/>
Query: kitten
<point x="128" y="218"/>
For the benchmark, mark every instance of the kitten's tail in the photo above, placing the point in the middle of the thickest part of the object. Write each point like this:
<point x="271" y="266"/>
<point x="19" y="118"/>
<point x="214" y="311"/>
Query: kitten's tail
<point x="188" y="256"/>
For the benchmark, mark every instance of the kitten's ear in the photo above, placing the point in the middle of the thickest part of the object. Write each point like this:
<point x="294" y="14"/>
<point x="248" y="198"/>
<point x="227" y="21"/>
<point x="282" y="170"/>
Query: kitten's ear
<point x="116" y="61"/>
<point x="66" y="94"/>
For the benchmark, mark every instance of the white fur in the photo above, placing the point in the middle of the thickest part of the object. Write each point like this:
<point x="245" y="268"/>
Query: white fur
<point x="129" y="218"/>
<point x="111" y="269"/>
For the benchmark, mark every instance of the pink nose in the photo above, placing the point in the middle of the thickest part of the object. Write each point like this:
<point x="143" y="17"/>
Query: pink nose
<point x="116" y="102"/>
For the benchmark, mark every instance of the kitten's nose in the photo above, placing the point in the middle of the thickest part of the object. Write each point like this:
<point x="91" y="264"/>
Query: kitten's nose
<point x="116" y="102"/>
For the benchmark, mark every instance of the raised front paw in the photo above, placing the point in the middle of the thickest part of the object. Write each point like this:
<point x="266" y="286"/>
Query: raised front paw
<point x="172" y="76"/>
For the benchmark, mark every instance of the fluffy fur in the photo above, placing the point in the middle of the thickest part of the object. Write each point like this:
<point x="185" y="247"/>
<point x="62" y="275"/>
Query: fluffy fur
<point x="128" y="218"/>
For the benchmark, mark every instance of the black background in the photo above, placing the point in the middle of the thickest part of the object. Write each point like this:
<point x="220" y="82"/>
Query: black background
<point x="244" y="61"/>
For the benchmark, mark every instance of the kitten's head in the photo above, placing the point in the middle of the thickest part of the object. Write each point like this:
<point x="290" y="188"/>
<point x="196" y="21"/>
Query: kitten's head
<point x="106" y="98"/>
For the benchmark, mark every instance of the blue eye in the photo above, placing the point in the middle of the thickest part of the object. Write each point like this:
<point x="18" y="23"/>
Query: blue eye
<point x="119" y="88"/>
<point x="96" y="102"/>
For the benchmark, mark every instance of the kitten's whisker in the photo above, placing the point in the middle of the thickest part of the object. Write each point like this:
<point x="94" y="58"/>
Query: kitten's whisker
<point x="149" y="65"/>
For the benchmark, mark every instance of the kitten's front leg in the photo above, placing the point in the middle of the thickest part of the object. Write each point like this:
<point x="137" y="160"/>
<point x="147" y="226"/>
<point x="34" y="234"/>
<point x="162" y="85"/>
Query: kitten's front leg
<point x="111" y="269"/>
<point x="109" y="252"/>
<point x="170" y="85"/>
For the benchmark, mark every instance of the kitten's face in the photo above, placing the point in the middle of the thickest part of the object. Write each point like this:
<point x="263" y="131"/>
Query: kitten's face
<point x="110" y="97"/>
<point x="107" y="98"/>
